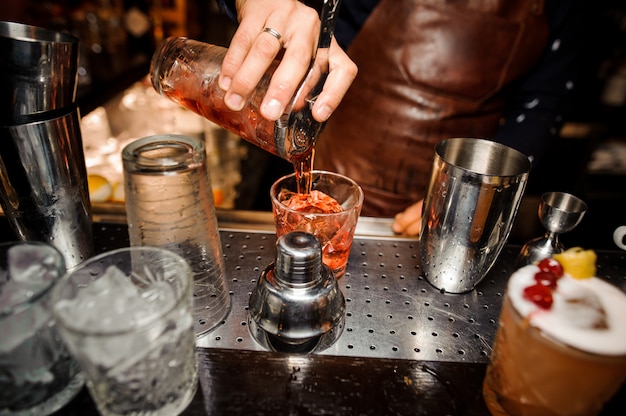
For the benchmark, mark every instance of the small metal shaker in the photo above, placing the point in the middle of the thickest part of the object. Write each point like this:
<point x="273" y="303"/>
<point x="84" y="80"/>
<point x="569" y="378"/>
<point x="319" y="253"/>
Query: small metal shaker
<point x="297" y="305"/>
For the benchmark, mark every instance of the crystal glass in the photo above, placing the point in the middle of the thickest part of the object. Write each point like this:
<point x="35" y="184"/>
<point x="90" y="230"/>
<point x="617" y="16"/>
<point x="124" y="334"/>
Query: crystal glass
<point x="126" y="317"/>
<point x="37" y="374"/>
<point x="334" y="230"/>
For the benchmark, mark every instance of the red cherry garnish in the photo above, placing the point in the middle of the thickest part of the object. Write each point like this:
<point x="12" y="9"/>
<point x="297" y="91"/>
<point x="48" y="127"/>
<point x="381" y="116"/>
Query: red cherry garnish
<point x="540" y="295"/>
<point x="546" y="279"/>
<point x="550" y="265"/>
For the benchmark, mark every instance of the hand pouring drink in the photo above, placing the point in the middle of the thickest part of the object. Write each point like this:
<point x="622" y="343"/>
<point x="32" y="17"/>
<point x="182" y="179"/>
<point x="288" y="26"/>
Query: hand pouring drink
<point x="186" y="71"/>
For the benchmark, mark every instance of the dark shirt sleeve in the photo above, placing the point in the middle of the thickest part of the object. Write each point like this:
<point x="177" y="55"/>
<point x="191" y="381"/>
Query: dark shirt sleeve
<point x="228" y="6"/>
<point x="352" y="16"/>
<point x="539" y="102"/>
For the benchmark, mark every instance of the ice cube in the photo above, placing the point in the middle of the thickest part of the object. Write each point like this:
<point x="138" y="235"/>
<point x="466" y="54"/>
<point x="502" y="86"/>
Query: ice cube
<point x="114" y="304"/>
<point x="30" y="270"/>
<point x="20" y="327"/>
<point x="32" y="265"/>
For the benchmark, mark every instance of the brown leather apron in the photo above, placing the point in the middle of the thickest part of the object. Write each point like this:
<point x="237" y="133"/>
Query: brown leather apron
<point x="428" y="70"/>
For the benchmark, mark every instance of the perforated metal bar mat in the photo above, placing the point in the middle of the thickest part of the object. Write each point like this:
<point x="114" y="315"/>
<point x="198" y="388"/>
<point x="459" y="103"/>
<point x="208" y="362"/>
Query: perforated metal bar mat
<point x="391" y="311"/>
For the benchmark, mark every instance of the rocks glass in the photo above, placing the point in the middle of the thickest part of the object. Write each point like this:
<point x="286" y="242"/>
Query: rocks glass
<point x="568" y="360"/>
<point x="37" y="374"/>
<point x="126" y="317"/>
<point x="335" y="231"/>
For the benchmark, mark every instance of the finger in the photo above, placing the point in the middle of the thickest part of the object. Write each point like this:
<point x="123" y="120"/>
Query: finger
<point x="264" y="50"/>
<point x="240" y="45"/>
<point x="413" y="229"/>
<point x="398" y="225"/>
<point x="287" y="77"/>
<point x="405" y="221"/>
<point x="342" y="73"/>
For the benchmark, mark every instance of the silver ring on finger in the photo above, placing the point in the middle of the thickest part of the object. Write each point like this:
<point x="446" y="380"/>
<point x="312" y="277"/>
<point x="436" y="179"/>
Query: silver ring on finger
<point x="274" y="33"/>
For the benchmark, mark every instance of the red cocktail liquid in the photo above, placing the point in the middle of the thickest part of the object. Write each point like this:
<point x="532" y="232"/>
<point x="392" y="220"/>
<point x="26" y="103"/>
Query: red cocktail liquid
<point x="247" y="124"/>
<point x="321" y="215"/>
<point x="316" y="201"/>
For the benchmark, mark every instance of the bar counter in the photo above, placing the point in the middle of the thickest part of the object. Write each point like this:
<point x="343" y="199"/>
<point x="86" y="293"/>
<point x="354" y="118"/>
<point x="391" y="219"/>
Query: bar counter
<point x="405" y="349"/>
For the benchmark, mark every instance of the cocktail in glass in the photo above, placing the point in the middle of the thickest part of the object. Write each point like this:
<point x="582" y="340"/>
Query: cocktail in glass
<point x="535" y="370"/>
<point x="330" y="212"/>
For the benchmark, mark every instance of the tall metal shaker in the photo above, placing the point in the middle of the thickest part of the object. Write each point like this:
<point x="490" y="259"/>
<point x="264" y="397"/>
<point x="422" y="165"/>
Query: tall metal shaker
<point x="43" y="179"/>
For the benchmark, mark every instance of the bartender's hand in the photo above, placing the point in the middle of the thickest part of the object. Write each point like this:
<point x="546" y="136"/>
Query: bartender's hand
<point x="408" y="222"/>
<point x="252" y="50"/>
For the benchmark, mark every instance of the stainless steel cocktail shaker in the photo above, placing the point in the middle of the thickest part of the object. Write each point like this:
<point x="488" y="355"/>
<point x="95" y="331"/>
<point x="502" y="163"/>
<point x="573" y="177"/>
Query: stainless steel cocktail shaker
<point x="297" y="305"/>
<point x="43" y="186"/>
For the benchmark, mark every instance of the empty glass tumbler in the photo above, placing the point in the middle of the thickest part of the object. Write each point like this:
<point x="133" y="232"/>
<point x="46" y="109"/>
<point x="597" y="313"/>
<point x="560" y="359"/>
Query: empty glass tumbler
<point x="169" y="204"/>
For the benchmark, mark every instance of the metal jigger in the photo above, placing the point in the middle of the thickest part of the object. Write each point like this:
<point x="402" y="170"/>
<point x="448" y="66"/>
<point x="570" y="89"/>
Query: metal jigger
<point x="559" y="213"/>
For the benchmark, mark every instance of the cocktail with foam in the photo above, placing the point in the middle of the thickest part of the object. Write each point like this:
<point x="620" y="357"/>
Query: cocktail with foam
<point x="560" y="348"/>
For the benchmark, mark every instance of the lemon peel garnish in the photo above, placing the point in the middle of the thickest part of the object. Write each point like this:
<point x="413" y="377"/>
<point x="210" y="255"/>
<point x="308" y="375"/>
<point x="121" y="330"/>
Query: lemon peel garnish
<point x="100" y="189"/>
<point x="577" y="262"/>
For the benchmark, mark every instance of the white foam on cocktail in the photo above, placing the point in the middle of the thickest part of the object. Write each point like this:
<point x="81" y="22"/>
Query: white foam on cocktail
<point x="30" y="270"/>
<point x="579" y="310"/>
<point x="113" y="307"/>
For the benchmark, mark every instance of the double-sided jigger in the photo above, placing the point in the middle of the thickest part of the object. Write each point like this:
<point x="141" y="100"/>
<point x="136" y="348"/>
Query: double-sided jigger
<point x="297" y="305"/>
<point x="559" y="213"/>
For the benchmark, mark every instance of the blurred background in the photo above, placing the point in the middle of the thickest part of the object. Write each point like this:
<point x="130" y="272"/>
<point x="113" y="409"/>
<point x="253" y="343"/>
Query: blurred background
<point x="118" y="104"/>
